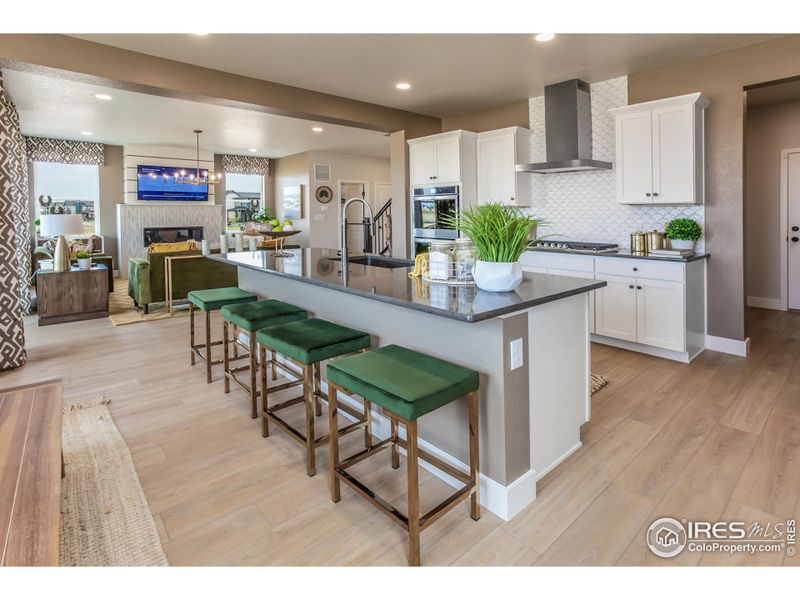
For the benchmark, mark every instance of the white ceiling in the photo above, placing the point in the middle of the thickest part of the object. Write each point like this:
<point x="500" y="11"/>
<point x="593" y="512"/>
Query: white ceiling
<point x="450" y="74"/>
<point x="60" y="108"/>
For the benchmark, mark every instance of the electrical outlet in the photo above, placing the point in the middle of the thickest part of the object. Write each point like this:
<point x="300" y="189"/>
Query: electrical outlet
<point x="516" y="354"/>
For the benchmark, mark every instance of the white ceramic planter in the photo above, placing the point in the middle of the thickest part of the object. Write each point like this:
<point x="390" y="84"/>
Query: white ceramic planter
<point x="682" y="244"/>
<point x="497" y="277"/>
<point x="84" y="263"/>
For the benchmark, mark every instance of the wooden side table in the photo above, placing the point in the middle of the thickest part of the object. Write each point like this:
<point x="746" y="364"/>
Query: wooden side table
<point x="74" y="295"/>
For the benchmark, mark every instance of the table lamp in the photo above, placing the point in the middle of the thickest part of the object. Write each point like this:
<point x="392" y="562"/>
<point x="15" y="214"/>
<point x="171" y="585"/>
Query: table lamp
<point x="59" y="226"/>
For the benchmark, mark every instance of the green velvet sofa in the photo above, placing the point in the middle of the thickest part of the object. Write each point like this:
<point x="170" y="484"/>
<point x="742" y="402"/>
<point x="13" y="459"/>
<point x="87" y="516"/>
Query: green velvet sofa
<point x="146" y="283"/>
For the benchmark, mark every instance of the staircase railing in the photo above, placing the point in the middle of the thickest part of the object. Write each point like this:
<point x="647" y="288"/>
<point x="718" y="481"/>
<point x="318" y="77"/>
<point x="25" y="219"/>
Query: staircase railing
<point x="382" y="229"/>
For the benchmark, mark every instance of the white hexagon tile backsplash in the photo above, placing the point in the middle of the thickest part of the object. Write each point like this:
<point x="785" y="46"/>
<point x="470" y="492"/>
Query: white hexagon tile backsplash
<point x="583" y="206"/>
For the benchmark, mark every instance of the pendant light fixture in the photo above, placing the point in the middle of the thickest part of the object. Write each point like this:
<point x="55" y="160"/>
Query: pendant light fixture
<point x="199" y="176"/>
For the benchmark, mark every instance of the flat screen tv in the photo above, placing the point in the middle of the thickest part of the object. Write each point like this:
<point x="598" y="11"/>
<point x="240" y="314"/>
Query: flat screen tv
<point x="158" y="183"/>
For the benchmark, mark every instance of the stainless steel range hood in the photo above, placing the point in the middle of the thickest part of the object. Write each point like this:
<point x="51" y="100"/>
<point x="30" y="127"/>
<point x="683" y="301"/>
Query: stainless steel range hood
<point x="568" y="128"/>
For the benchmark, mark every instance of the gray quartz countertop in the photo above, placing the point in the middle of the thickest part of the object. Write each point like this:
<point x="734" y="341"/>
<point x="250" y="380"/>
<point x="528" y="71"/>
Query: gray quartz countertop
<point x="322" y="267"/>
<point x="626" y="253"/>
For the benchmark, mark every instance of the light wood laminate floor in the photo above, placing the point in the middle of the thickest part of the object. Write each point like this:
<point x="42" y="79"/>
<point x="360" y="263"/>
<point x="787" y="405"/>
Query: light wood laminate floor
<point x="719" y="438"/>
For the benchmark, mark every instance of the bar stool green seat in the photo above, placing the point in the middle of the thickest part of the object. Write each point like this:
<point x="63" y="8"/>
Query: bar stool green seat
<point x="209" y="300"/>
<point x="250" y="317"/>
<point x="305" y="344"/>
<point x="406" y="384"/>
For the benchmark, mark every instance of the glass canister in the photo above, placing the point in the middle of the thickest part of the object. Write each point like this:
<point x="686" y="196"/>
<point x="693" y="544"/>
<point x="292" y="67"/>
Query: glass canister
<point x="464" y="256"/>
<point x="440" y="261"/>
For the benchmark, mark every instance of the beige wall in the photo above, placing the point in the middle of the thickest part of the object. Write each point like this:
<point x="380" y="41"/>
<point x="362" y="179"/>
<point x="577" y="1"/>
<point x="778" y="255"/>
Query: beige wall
<point x="64" y="56"/>
<point x="401" y="211"/>
<point x="293" y="170"/>
<point x="769" y="129"/>
<point x="722" y="78"/>
<point x="497" y="117"/>
<point x="112" y="192"/>
<point x="324" y="224"/>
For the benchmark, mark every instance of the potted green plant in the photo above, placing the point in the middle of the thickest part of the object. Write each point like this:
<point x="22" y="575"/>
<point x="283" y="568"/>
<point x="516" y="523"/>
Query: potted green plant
<point x="264" y="220"/>
<point x="84" y="260"/>
<point x="500" y="234"/>
<point x="683" y="233"/>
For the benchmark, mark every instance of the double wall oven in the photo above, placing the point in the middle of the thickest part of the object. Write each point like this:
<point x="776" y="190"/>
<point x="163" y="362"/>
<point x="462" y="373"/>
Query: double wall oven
<point x="429" y="207"/>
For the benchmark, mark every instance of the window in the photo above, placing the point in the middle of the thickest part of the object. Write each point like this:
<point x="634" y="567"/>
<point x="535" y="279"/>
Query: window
<point x="74" y="189"/>
<point x="244" y="196"/>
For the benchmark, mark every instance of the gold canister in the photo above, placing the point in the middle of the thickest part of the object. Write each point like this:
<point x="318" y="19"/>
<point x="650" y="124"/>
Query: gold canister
<point x="654" y="240"/>
<point x="638" y="243"/>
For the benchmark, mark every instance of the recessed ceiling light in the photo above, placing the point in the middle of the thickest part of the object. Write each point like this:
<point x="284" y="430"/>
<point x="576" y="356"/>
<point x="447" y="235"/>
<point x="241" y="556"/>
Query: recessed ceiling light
<point x="316" y="129"/>
<point x="253" y="149"/>
<point x="545" y="37"/>
<point x="86" y="133"/>
<point x="199" y="34"/>
<point x="102" y="96"/>
<point x="403" y="86"/>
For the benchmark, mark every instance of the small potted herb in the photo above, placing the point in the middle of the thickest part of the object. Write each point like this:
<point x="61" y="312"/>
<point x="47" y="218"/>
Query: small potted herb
<point x="84" y="260"/>
<point x="264" y="221"/>
<point x="500" y="234"/>
<point x="683" y="233"/>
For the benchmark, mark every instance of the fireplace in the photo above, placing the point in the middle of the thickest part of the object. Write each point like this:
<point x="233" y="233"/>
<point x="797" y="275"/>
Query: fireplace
<point x="171" y="234"/>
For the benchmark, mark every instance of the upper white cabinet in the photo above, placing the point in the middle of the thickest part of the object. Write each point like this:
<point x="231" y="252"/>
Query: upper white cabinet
<point x="660" y="151"/>
<point x="499" y="152"/>
<point x="444" y="158"/>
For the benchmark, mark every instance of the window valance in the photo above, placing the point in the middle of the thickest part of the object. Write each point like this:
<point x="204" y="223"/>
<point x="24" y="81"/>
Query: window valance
<point x="71" y="152"/>
<point x="245" y="165"/>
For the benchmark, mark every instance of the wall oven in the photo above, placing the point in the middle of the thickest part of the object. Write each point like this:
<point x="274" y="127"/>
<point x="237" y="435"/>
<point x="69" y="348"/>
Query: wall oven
<point x="430" y="205"/>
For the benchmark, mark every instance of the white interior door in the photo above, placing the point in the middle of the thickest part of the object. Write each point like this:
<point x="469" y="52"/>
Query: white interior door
<point x="793" y="233"/>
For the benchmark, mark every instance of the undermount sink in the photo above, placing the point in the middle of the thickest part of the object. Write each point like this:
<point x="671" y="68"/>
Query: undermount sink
<point x="383" y="262"/>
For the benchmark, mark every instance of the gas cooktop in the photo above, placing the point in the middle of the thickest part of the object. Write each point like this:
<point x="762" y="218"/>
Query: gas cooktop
<point x="594" y="247"/>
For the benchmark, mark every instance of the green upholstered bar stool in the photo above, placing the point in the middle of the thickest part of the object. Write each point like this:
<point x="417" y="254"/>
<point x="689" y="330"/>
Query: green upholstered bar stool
<point x="250" y="317"/>
<point x="306" y="344"/>
<point x="407" y="385"/>
<point x="207" y="301"/>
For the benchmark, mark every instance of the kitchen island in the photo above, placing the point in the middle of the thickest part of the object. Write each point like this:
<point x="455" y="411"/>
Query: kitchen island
<point x="531" y="347"/>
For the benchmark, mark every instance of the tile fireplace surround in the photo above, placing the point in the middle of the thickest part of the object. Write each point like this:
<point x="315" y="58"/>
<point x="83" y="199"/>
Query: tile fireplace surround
<point x="133" y="218"/>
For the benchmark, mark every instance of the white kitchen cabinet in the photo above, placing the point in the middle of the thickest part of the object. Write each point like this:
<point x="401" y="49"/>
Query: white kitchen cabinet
<point x="441" y="159"/>
<point x="653" y="306"/>
<point x="660" y="151"/>
<point x="660" y="314"/>
<point x="615" y="308"/>
<point x="499" y="152"/>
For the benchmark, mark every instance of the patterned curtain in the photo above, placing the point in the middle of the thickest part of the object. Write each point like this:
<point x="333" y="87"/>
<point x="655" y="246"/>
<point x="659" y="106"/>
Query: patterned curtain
<point x="70" y="152"/>
<point x="245" y="165"/>
<point x="15" y="251"/>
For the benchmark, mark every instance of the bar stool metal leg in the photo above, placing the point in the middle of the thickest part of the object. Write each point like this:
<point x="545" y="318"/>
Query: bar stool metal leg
<point x="263" y="372"/>
<point x="308" y="385"/>
<point x="413" y="493"/>
<point x="368" y="425"/>
<point x="191" y="331"/>
<point x="333" y="439"/>
<point x="253" y="368"/>
<point x="395" y="452"/>
<point x="208" y="346"/>
<point x="475" y="505"/>
<point x="226" y="363"/>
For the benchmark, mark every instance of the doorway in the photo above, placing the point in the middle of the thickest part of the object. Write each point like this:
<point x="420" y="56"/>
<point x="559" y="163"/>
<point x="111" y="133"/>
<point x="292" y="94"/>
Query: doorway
<point x="790" y="227"/>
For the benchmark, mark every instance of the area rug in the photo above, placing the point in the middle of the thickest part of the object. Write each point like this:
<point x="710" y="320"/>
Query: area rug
<point x="597" y="382"/>
<point x="122" y="310"/>
<point x="105" y="519"/>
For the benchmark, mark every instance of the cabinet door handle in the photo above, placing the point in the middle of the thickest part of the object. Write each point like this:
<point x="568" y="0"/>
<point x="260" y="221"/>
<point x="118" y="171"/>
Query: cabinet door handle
<point x="635" y="268"/>
<point x="647" y="194"/>
<point x="631" y="286"/>
<point x="638" y="287"/>
<point x="655" y="193"/>
<point x="795" y="228"/>
<point x="796" y="239"/>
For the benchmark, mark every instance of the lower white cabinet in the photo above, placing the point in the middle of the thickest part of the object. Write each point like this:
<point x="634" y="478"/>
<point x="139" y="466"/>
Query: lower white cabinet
<point x="651" y="306"/>
<point x="615" y="308"/>
<point x="660" y="314"/>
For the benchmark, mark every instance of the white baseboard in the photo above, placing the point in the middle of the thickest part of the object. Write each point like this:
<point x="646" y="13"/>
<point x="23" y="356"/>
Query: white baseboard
<point x="770" y="303"/>
<point x="504" y="501"/>
<point x="643" y="348"/>
<point x="727" y="345"/>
